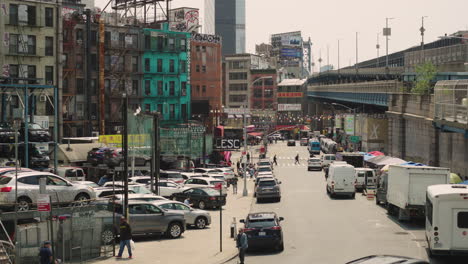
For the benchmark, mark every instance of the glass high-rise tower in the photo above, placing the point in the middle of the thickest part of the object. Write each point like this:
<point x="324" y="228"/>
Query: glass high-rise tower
<point x="230" y="25"/>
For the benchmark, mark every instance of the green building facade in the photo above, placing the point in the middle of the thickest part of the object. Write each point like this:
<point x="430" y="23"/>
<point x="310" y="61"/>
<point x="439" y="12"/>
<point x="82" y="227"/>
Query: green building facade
<point x="166" y="74"/>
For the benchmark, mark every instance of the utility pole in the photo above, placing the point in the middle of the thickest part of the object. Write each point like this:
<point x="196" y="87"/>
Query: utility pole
<point x="377" y="47"/>
<point x="244" y="159"/>
<point x="387" y="32"/>
<point x="338" y="56"/>
<point x="125" y="152"/>
<point x="422" y="30"/>
<point x="357" y="67"/>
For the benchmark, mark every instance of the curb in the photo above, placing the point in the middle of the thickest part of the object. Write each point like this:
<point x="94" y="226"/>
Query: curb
<point x="232" y="257"/>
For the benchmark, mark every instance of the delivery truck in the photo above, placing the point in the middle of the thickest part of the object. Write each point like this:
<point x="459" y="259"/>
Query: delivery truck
<point x="355" y="159"/>
<point x="406" y="190"/>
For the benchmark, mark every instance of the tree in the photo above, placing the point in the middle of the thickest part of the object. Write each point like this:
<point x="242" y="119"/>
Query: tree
<point x="425" y="73"/>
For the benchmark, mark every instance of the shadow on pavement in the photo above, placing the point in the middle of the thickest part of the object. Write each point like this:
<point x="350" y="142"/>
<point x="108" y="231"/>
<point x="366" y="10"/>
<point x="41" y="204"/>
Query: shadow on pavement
<point x="448" y="259"/>
<point x="412" y="225"/>
<point x="263" y="252"/>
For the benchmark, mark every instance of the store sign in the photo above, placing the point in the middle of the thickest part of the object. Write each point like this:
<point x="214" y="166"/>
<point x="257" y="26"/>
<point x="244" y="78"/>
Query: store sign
<point x="237" y="111"/>
<point x="349" y="124"/>
<point x="43" y="203"/>
<point x="206" y="38"/>
<point x="227" y="144"/>
<point x="290" y="95"/>
<point x="289" y="107"/>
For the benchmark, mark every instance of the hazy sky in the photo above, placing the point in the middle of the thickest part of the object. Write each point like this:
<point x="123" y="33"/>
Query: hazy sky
<point x="327" y="21"/>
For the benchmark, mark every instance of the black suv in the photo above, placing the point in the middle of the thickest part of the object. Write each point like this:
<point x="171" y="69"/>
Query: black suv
<point x="7" y="134"/>
<point x="264" y="230"/>
<point x="36" y="133"/>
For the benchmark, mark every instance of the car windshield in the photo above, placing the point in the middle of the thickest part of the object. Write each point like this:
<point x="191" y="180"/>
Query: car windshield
<point x="144" y="181"/>
<point x="211" y="192"/>
<point x="264" y="169"/>
<point x="314" y="160"/>
<point x="267" y="183"/>
<point x="5" y="180"/>
<point x="264" y="163"/>
<point x="263" y="222"/>
<point x="139" y="189"/>
<point x="174" y="176"/>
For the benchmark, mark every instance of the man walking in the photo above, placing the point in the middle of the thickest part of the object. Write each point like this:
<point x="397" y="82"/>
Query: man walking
<point x="45" y="253"/>
<point x="274" y="160"/>
<point x="125" y="237"/>
<point x="234" y="185"/>
<point x="297" y="159"/>
<point x="242" y="244"/>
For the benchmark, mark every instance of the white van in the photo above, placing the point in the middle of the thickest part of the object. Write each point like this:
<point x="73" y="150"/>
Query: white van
<point x="71" y="173"/>
<point x="447" y="219"/>
<point x="341" y="180"/>
<point x="364" y="177"/>
<point x="327" y="159"/>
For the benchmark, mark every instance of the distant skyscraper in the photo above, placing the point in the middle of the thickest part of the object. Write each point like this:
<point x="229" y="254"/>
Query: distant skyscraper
<point x="230" y="25"/>
<point x="209" y="25"/>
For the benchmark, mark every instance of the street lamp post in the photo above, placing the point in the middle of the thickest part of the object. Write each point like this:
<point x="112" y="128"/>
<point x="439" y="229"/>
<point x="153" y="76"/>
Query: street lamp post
<point x="387" y="32"/>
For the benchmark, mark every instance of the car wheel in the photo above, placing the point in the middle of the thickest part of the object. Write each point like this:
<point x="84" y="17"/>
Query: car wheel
<point x="280" y="247"/>
<point x="278" y="199"/>
<point x="353" y="196"/>
<point x="107" y="236"/>
<point x="81" y="199"/>
<point x="174" y="230"/>
<point x="24" y="204"/>
<point x="377" y="201"/>
<point x="201" y="205"/>
<point x="200" y="222"/>
<point x="328" y="191"/>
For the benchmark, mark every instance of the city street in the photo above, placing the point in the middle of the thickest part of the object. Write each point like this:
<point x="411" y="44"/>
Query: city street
<point x="318" y="229"/>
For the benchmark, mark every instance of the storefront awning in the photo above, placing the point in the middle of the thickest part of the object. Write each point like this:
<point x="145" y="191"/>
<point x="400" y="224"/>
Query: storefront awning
<point x="256" y="134"/>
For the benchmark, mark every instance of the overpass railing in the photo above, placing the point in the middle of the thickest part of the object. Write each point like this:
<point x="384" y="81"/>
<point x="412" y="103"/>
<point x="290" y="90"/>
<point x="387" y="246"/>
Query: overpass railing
<point x="387" y="87"/>
<point x="451" y="101"/>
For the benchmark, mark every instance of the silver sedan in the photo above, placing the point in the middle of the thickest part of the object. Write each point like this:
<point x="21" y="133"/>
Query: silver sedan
<point x="196" y="217"/>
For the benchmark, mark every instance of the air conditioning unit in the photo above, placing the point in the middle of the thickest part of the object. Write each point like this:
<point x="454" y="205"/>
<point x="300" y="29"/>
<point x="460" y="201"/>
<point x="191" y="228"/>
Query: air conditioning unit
<point x="42" y="98"/>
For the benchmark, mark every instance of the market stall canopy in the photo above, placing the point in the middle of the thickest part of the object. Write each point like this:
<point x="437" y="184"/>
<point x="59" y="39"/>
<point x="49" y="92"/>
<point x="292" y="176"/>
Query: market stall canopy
<point x="385" y="160"/>
<point x="376" y="153"/>
<point x="367" y="156"/>
<point x="410" y="163"/>
<point x="304" y="127"/>
<point x="454" y="178"/>
<point x="255" y="134"/>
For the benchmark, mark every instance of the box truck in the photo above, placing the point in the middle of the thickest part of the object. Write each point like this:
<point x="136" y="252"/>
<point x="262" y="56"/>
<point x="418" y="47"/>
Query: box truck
<point x="407" y="185"/>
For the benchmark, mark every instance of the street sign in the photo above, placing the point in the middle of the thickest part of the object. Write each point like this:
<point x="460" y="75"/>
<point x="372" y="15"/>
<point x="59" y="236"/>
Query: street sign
<point x="227" y="144"/>
<point x="355" y="139"/>
<point x="43" y="203"/>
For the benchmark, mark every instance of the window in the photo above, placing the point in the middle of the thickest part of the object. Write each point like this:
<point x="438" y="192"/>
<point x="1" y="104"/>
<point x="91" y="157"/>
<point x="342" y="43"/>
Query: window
<point x="65" y="85"/>
<point x="107" y="86"/>
<point x="107" y="39"/>
<point x="238" y="98"/>
<point x="160" y="65"/>
<point x="94" y="63"/>
<point x="237" y="65"/>
<point x="14" y="71"/>
<point x="93" y="86"/>
<point x="147" y="108"/>
<point x="79" y="86"/>
<point x="183" y="88"/>
<point x="462" y="220"/>
<point x="49" y="74"/>
<point x="121" y="64"/>
<point x="31" y="73"/>
<point x="238" y="87"/>
<point x="172" y="111"/>
<point x="171" y="66"/>
<point x="31" y="45"/>
<point x="171" y="42"/>
<point x="183" y="66"/>
<point x="183" y="110"/>
<point x="147" y="65"/>
<point x="147" y="87"/>
<point x="13" y="14"/>
<point x="203" y="48"/>
<point x="203" y="88"/>
<point x="107" y="62"/>
<point x="24" y="44"/>
<point x="122" y="40"/>
<point x="51" y="180"/>
<point x="160" y="41"/>
<point x="13" y="43"/>
<point x="168" y="206"/>
<point x="79" y="34"/>
<point x="197" y="68"/>
<point x="49" y="17"/>
<point x="160" y="88"/>
<point x="203" y="68"/>
<point x="238" y="76"/>
<point x="135" y="91"/>
<point x="31" y="15"/>
<point x="171" y="88"/>
<point x="135" y="64"/>
<point x="183" y="44"/>
<point x="93" y="38"/>
<point x="160" y="108"/>
<point x="198" y="88"/>
<point x="49" y="46"/>
<point x="147" y="42"/>
<point x="33" y="180"/>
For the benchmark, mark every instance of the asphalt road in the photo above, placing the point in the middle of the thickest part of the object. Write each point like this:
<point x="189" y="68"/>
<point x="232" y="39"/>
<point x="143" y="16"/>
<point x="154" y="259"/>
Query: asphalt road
<point x="319" y="229"/>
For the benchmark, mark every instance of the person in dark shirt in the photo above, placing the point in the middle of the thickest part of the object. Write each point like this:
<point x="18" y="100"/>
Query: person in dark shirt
<point x="125" y="237"/>
<point x="45" y="253"/>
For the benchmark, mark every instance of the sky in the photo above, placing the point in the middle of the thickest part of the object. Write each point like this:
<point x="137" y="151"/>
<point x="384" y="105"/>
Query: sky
<point x="326" y="22"/>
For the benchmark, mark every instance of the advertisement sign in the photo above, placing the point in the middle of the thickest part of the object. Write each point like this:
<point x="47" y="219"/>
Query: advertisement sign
<point x="289" y="107"/>
<point x="206" y="38"/>
<point x="349" y="124"/>
<point x="237" y="111"/>
<point x="43" y="203"/>
<point x="293" y="53"/>
<point x="184" y="19"/>
<point x="227" y="144"/>
<point x="290" y="95"/>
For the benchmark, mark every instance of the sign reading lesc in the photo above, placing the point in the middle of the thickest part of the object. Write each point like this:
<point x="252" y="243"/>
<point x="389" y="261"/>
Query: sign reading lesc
<point x="227" y="144"/>
<point x="43" y="203"/>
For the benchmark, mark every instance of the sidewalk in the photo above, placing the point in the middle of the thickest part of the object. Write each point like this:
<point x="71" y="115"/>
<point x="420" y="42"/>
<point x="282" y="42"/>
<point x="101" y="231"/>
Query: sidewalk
<point x="196" y="246"/>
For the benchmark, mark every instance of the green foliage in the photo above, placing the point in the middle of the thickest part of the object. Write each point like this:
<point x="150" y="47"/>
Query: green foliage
<point x="425" y="73"/>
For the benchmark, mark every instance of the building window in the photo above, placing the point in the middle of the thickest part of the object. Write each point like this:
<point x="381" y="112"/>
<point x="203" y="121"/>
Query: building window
<point x="147" y="65"/>
<point x="198" y="88"/>
<point x="171" y="66"/>
<point x="31" y="73"/>
<point x="160" y="88"/>
<point x="160" y="65"/>
<point x="197" y="48"/>
<point x="65" y="85"/>
<point x="183" y="88"/>
<point x="135" y="91"/>
<point x="183" y="111"/>
<point x="147" y="108"/>
<point x="49" y="17"/>
<point x="147" y="87"/>
<point x="79" y="86"/>
<point x="79" y="35"/>
<point x="183" y="44"/>
<point x="13" y="14"/>
<point x="183" y="66"/>
<point x="172" y="111"/>
<point x="13" y="44"/>
<point x="94" y="38"/>
<point x="135" y="64"/>
<point x="237" y="98"/>
<point x="107" y="84"/>
<point x="49" y="46"/>
<point x="107" y="39"/>
<point x="204" y="89"/>
<point x="107" y="62"/>
<point x="94" y="63"/>
<point x="24" y="44"/>
<point x="31" y="45"/>
<point x="171" y="88"/>
<point x="203" y="48"/>
<point x="203" y="68"/>
<point x="121" y="64"/>
<point x="238" y="87"/>
<point x="171" y="42"/>
<point x="197" y="68"/>
<point x="160" y="109"/>
<point x="31" y="15"/>
<point x="49" y="74"/>
<point x="122" y="40"/>
<point x="160" y="42"/>
<point x="238" y="76"/>
<point x="147" y="42"/>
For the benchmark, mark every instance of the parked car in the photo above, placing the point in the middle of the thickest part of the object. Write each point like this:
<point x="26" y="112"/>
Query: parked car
<point x="71" y="173"/>
<point x="168" y="188"/>
<point x="148" y="218"/>
<point x="135" y="187"/>
<point x="264" y="230"/>
<point x="194" y="217"/>
<point x="96" y="155"/>
<point x="88" y="183"/>
<point x="140" y="179"/>
<point x="304" y="141"/>
<point x="327" y="159"/>
<point x="60" y="190"/>
<point x="314" y="164"/>
<point x="265" y="162"/>
<point x="7" y="134"/>
<point x="7" y="170"/>
<point x="268" y="188"/>
<point x="291" y="142"/>
<point x="202" y="197"/>
<point x="341" y="179"/>
<point x="364" y="177"/>
<point x="205" y="182"/>
<point x="386" y="259"/>
<point x="139" y="197"/>
<point x="113" y="157"/>
<point x="174" y="176"/>
<point x="110" y="192"/>
<point x="263" y="169"/>
<point x="36" y="133"/>
<point x="259" y="177"/>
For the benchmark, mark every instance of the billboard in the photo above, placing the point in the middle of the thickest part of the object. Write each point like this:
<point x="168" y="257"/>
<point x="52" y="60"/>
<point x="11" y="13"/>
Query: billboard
<point x="293" y="53"/>
<point x="289" y="107"/>
<point x="184" y="19"/>
<point x="293" y="39"/>
<point x="349" y="124"/>
<point x="290" y="94"/>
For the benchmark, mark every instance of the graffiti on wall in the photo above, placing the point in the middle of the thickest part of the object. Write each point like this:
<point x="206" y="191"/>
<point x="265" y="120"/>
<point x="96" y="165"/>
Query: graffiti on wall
<point x="184" y="20"/>
<point x="206" y="38"/>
